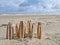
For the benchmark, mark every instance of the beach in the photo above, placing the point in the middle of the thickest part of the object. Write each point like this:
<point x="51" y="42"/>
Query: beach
<point x="50" y="26"/>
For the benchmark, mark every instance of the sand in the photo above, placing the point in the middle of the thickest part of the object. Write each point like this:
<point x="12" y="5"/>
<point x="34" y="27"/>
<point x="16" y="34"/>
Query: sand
<point x="50" y="29"/>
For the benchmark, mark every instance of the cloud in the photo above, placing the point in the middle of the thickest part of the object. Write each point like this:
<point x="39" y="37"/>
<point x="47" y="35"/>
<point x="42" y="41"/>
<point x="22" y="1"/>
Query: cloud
<point x="40" y="6"/>
<point x="29" y="6"/>
<point x="7" y="6"/>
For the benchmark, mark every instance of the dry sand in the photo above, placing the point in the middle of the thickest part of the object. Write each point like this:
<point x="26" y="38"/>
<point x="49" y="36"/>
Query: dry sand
<point x="50" y="29"/>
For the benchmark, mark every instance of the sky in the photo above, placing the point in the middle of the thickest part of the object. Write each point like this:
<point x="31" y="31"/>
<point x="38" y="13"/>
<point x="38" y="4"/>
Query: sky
<point x="29" y="6"/>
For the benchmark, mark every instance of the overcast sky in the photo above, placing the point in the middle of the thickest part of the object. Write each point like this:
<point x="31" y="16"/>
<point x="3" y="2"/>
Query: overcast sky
<point x="29" y="6"/>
